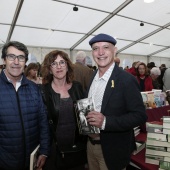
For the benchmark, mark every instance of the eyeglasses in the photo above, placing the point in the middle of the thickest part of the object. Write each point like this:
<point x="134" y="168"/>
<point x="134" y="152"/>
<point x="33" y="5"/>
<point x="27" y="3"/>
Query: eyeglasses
<point x="12" y="57"/>
<point x="61" y="63"/>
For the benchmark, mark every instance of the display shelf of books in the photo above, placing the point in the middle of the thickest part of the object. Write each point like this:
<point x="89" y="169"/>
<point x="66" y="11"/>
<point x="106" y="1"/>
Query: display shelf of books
<point x="154" y="98"/>
<point x="158" y="142"/>
<point x="136" y="130"/>
<point x="139" y="144"/>
<point x="84" y="106"/>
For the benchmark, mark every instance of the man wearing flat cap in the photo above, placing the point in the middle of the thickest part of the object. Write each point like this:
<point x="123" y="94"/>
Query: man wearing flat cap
<point x="118" y="109"/>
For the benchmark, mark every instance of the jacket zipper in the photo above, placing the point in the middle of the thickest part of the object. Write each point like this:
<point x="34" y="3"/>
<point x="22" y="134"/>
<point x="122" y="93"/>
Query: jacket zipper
<point x="23" y="130"/>
<point x="62" y="153"/>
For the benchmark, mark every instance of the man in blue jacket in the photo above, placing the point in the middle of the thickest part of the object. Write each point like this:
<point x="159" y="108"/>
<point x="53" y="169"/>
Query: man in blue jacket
<point x="23" y="117"/>
<point x="118" y="109"/>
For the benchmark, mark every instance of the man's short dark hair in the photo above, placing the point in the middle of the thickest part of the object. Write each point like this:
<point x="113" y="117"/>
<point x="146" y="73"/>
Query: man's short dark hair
<point x="17" y="45"/>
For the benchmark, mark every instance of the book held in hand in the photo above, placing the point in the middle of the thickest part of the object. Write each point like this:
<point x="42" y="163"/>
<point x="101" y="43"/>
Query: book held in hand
<point x="84" y="106"/>
<point x="33" y="158"/>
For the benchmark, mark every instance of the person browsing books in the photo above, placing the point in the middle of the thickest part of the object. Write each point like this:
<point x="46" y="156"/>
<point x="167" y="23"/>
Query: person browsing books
<point x="61" y="94"/>
<point x="118" y="108"/>
<point x="144" y="80"/>
<point x="23" y="117"/>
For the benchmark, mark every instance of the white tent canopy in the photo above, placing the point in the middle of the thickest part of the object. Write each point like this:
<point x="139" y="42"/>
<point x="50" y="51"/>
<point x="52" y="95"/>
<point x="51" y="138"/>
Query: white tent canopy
<point x="54" y="24"/>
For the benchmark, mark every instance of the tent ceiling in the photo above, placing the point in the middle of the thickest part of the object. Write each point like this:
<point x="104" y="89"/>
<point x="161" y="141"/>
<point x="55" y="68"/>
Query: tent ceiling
<point x="53" y="23"/>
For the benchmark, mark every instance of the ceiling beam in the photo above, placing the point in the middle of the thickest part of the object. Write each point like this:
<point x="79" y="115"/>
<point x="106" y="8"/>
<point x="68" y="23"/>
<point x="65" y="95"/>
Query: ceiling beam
<point x="17" y="11"/>
<point x="133" y="19"/>
<point x="78" y="5"/>
<point x="72" y="32"/>
<point x="163" y="49"/>
<point x="144" y="37"/>
<point x="122" y="6"/>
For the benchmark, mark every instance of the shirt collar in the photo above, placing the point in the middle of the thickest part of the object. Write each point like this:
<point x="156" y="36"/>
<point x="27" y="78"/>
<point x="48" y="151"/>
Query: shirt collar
<point x="106" y="75"/>
<point x="10" y="79"/>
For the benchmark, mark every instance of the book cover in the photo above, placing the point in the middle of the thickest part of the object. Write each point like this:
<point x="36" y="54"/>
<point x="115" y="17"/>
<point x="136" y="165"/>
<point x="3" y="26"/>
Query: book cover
<point x="153" y="159"/>
<point x="157" y="143"/>
<point x="157" y="98"/>
<point x="163" y="98"/>
<point x="168" y="138"/>
<point x="166" y="119"/>
<point x="166" y="125"/>
<point x="166" y="131"/>
<point x="137" y="127"/>
<point x="164" y="165"/>
<point x="145" y="99"/>
<point x="158" y="148"/>
<point x="166" y="159"/>
<point x="137" y="132"/>
<point x="139" y="146"/>
<point x="151" y="100"/>
<point x="154" y="130"/>
<point x="157" y="136"/>
<point x="154" y="124"/>
<point x="168" y="150"/>
<point x="156" y="152"/>
<point x="84" y="106"/>
<point x="33" y="158"/>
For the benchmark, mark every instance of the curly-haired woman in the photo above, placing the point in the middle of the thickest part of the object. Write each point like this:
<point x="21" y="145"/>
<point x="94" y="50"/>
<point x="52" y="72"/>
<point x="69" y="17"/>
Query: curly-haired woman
<point x="61" y="92"/>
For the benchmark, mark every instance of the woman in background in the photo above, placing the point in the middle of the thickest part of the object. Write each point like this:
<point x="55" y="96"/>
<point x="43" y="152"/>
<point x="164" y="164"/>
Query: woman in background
<point x="61" y="94"/>
<point x="145" y="81"/>
<point x="31" y="72"/>
<point x="155" y="73"/>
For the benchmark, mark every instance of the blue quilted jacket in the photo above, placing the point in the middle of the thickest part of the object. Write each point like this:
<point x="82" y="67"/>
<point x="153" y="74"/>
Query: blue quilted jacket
<point x="23" y="123"/>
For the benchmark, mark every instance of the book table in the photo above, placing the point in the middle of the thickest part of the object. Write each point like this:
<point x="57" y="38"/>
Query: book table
<point x="153" y="115"/>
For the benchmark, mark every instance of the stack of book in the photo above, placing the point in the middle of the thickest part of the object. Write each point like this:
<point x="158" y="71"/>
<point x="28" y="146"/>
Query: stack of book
<point x="158" y="142"/>
<point x="139" y="144"/>
<point x="154" y="127"/>
<point x="136" y="130"/>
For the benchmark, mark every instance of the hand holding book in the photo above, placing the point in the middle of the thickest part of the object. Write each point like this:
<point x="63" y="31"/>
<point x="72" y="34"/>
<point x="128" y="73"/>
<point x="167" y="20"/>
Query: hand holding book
<point x="40" y="162"/>
<point x="37" y="161"/>
<point x="95" y="119"/>
<point x="88" y="120"/>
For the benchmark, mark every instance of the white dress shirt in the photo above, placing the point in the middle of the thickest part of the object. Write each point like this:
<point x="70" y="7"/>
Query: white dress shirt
<point x="97" y="90"/>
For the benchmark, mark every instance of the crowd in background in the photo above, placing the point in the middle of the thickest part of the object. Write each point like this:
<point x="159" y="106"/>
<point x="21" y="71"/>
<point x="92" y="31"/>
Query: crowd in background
<point x="148" y="75"/>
